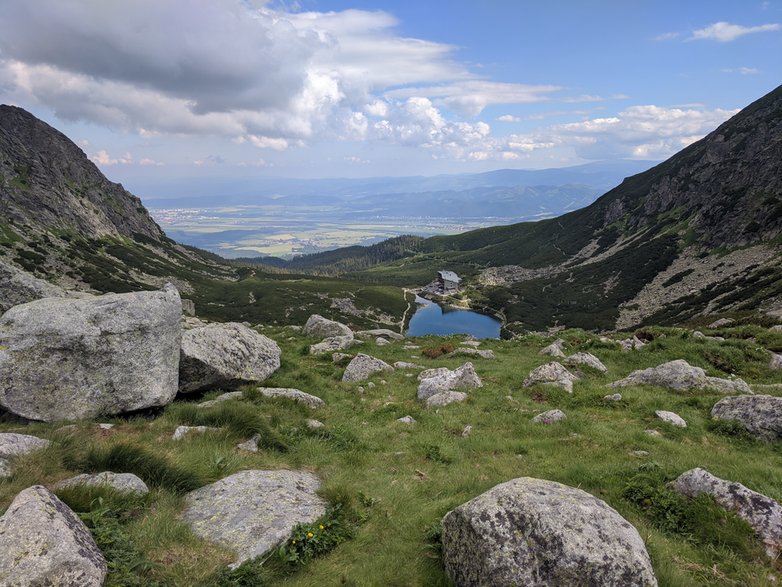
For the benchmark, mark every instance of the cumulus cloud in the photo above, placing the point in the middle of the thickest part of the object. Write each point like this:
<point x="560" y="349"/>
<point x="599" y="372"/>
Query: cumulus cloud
<point x="725" y="31"/>
<point x="508" y="118"/>
<point x="103" y="158"/>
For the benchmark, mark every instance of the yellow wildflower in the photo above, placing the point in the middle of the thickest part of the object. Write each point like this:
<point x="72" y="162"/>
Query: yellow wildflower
<point x="321" y="526"/>
<point x="310" y="535"/>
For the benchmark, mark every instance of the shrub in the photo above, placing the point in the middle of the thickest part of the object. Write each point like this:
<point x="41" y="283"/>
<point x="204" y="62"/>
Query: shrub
<point x="437" y="351"/>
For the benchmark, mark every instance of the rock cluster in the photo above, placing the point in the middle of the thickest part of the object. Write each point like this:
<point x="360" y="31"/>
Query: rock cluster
<point x="551" y="374"/>
<point x="336" y="336"/>
<point x="438" y="387"/>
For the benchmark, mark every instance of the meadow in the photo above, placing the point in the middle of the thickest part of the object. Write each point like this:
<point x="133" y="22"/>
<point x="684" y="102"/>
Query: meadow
<point x="389" y="483"/>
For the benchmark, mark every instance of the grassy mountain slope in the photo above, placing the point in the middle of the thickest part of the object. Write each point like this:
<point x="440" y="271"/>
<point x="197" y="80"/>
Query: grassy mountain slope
<point x="604" y="265"/>
<point x="396" y="481"/>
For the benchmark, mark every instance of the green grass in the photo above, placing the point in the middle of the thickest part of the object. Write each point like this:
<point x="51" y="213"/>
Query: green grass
<point x="397" y="481"/>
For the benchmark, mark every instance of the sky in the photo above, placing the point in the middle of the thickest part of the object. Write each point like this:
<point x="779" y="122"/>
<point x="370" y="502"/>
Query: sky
<point x="158" y="90"/>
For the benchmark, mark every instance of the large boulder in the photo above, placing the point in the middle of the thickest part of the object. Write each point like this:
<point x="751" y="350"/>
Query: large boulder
<point x="363" y="367"/>
<point x="759" y="511"/>
<point x="551" y="374"/>
<point x="320" y="327"/>
<point x="534" y="532"/>
<point x="225" y="356"/>
<point x="68" y="359"/>
<point x="761" y="415"/>
<point x="42" y="542"/>
<point x="436" y="381"/>
<point x="19" y="287"/>
<point x="252" y="512"/>
<point x="681" y="376"/>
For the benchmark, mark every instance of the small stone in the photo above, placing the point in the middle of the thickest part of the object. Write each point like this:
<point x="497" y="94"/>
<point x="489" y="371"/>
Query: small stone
<point x="360" y="389"/>
<point x="230" y="396"/>
<point x="314" y="424"/>
<point x="466" y="431"/>
<point x="671" y="418"/>
<point x="339" y="357"/>
<point x="404" y="365"/>
<point x="586" y="360"/>
<point x="551" y="374"/>
<point x="613" y="397"/>
<point x="370" y="385"/>
<point x="406" y="420"/>
<point x="105" y="426"/>
<point x="652" y="432"/>
<point x="250" y="445"/>
<point x="555" y="349"/>
<point x="296" y="395"/>
<point x="380" y="341"/>
<point x="775" y="362"/>
<point x="639" y="453"/>
<point x="183" y="431"/>
<point x="549" y="417"/>
<point x="383" y="382"/>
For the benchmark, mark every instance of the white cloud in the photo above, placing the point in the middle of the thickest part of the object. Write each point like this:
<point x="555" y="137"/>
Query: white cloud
<point x="725" y="31"/>
<point x="508" y="118"/>
<point x="147" y="161"/>
<point x="742" y="70"/>
<point x="103" y="158"/>
<point x="666" y="37"/>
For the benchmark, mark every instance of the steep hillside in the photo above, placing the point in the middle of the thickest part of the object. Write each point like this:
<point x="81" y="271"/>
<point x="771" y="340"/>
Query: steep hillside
<point x="63" y="221"/>
<point x="699" y="233"/>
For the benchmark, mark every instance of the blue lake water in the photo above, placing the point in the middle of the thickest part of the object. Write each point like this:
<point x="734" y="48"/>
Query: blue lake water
<point x="433" y="319"/>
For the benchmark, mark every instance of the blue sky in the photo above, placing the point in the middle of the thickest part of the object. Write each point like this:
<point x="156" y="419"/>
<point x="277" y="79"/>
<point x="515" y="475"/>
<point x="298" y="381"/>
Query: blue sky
<point x="154" y="91"/>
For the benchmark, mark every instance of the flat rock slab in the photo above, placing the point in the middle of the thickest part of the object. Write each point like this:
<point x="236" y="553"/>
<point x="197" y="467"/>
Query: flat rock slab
<point x="121" y="482"/>
<point x="68" y="359"/>
<point x="680" y="376"/>
<point x="549" y="417"/>
<point x="551" y="374"/>
<point x="363" y="367"/>
<point x="761" y="415"/>
<point x="759" y="511"/>
<point x="225" y="356"/>
<point x="332" y="343"/>
<point x="406" y="365"/>
<point x="540" y="533"/>
<point x="294" y="394"/>
<point x="435" y="381"/>
<point x="671" y="418"/>
<point x="42" y="542"/>
<point x="13" y="444"/>
<point x="379" y="333"/>
<point x="252" y="512"/>
<point x="406" y="420"/>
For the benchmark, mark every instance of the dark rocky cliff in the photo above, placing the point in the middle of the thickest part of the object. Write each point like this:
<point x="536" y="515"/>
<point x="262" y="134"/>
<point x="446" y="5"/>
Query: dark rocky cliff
<point x="46" y="181"/>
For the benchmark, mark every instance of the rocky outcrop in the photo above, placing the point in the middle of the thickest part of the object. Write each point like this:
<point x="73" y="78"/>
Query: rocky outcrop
<point x="225" y="356"/>
<point x="441" y="380"/>
<point x="319" y="327"/>
<point x="65" y="359"/>
<point x="252" y="512"/>
<point x="551" y="374"/>
<point x="363" y="367"/>
<point x="42" y="542"/>
<point x="680" y="376"/>
<point x="534" y="532"/>
<point x="761" y="415"/>
<point x="759" y="511"/>
<point x="19" y="287"/>
<point x="292" y="394"/>
<point x="121" y="482"/>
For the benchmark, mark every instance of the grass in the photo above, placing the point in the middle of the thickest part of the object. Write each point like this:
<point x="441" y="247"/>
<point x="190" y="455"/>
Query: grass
<point x="396" y="481"/>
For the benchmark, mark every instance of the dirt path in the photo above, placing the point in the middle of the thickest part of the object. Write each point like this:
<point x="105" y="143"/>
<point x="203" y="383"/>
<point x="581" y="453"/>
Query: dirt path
<point x="405" y="291"/>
